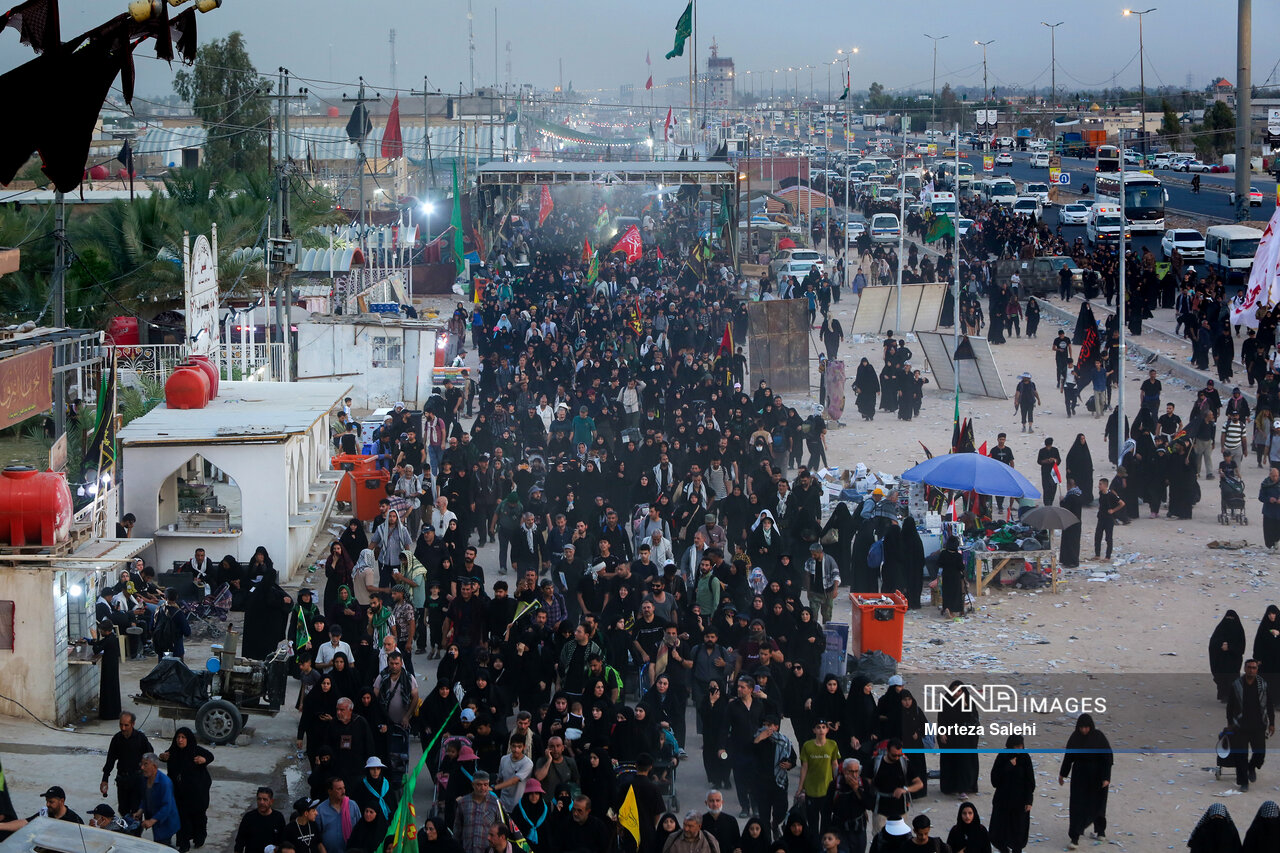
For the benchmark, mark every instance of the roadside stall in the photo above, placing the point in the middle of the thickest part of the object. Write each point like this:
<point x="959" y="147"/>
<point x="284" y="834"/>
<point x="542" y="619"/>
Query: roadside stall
<point x="1019" y="547"/>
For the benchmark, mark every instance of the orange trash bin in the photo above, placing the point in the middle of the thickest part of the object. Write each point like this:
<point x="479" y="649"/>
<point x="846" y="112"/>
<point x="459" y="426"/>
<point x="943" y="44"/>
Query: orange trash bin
<point x="878" y="620"/>
<point x="370" y="487"/>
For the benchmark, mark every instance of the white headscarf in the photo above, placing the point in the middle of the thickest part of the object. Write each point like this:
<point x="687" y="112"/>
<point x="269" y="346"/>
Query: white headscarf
<point x="366" y="562"/>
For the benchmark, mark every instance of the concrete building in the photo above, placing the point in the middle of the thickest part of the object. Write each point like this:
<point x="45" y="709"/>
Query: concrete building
<point x="252" y="468"/>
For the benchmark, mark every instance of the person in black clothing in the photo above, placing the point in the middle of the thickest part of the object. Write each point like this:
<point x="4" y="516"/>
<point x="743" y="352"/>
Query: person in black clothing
<point x="1109" y="507"/>
<point x="1226" y="653"/>
<point x="125" y="755"/>
<point x="106" y="645"/>
<point x="1047" y="458"/>
<point x="1087" y="762"/>
<point x="261" y="826"/>
<point x="745" y="712"/>
<point x="187" y="764"/>
<point x="1062" y="356"/>
<point x="1251" y="717"/>
<point x="1014" y="779"/>
<point x="1073" y="502"/>
<point x="890" y="782"/>
<point x="1002" y="453"/>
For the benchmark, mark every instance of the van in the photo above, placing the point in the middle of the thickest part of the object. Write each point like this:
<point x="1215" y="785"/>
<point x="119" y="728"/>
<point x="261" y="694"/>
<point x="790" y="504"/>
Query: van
<point x="1229" y="250"/>
<point x="1001" y="191"/>
<point x="1039" y="189"/>
<point x="943" y="203"/>
<point x="885" y="228"/>
<point x="1040" y="160"/>
<point x="1103" y="224"/>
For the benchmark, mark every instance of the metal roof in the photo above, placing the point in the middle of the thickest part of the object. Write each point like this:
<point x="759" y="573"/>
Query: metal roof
<point x="631" y="172"/>
<point x="243" y="412"/>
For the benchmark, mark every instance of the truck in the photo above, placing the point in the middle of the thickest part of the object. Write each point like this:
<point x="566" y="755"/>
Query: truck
<point x="1072" y="144"/>
<point x="1093" y="138"/>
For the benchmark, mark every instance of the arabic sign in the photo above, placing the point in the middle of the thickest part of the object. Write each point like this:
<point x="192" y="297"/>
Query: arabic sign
<point x="988" y="164"/>
<point x="26" y="386"/>
<point x="201" y="274"/>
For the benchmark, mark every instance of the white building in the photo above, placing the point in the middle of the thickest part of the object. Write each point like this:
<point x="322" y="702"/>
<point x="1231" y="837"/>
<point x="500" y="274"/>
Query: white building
<point x="389" y="358"/>
<point x="250" y="469"/>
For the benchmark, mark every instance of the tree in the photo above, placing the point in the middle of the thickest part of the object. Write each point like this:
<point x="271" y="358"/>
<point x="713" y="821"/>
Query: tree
<point x="876" y="98"/>
<point x="1170" y="127"/>
<point x="950" y="109"/>
<point x="224" y="90"/>
<point x="1217" y="135"/>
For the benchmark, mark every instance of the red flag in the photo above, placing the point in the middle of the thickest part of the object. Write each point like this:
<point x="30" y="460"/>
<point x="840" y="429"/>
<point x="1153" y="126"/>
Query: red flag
<point x="1057" y="475"/>
<point x="666" y="127"/>
<point x="392" y="144"/>
<point x="649" y="83"/>
<point x="586" y="250"/>
<point x="631" y="244"/>
<point x="983" y="449"/>
<point x="726" y="342"/>
<point x="547" y="205"/>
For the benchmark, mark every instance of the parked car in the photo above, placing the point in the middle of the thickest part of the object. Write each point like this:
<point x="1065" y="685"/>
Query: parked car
<point x="1255" y="197"/>
<point x="1191" y="165"/>
<point x="1074" y="214"/>
<point x="1188" y="242"/>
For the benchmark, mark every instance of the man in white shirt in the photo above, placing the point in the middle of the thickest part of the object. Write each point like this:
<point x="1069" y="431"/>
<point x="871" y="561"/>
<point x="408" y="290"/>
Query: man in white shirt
<point x="324" y="654"/>
<point x="660" y="550"/>
<point x="513" y="773"/>
<point x="442" y="516"/>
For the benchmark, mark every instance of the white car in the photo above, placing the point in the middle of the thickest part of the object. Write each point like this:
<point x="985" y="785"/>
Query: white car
<point x="1005" y="142"/>
<point x="1255" y="197"/>
<point x="795" y="262"/>
<point x="1074" y="214"/>
<point x="1040" y="160"/>
<point x="1188" y="242"/>
<point x="1004" y="158"/>
<point x="963" y="226"/>
<point x="1028" y="205"/>
<point x="1039" y="190"/>
<point x="854" y="230"/>
<point x="885" y="228"/>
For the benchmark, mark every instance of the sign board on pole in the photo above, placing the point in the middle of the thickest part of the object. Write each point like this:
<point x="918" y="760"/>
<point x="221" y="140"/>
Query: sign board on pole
<point x="201" y="274"/>
<point x="1053" y="174"/>
<point x="1064" y="178"/>
<point x="1273" y="121"/>
<point x="1055" y="161"/>
<point x="988" y="163"/>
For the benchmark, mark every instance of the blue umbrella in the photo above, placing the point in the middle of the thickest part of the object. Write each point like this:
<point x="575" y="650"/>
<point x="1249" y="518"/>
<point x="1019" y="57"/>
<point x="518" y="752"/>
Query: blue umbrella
<point x="972" y="472"/>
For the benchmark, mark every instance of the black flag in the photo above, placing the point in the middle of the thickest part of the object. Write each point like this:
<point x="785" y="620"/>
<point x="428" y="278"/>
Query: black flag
<point x="126" y="159"/>
<point x="360" y="125"/>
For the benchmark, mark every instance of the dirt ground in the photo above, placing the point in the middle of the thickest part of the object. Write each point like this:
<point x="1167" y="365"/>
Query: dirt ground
<point x="1135" y="632"/>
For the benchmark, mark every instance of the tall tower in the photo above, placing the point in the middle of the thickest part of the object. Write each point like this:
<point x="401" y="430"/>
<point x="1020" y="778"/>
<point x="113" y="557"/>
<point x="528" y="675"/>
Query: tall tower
<point x="720" y="79"/>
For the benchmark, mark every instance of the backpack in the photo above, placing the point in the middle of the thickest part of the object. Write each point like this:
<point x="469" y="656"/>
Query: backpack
<point x="164" y="632"/>
<point x="875" y="556"/>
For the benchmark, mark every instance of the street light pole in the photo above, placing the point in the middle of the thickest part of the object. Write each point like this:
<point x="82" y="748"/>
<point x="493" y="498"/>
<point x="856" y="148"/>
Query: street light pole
<point x="983" y="44"/>
<point x="1053" y="58"/>
<point x="933" y="99"/>
<point x="1142" y="78"/>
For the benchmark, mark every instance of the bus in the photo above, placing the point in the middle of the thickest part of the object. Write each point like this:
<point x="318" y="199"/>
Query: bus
<point x="1107" y="159"/>
<point x="947" y="178"/>
<point x="1144" y="199"/>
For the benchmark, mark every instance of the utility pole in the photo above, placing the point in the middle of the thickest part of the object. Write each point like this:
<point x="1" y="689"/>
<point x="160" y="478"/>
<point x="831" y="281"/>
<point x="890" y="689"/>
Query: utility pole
<point x="1244" y="106"/>
<point x="471" y="42"/>
<point x="986" y="93"/>
<point x="428" y="167"/>
<point x="933" y="99"/>
<point x="360" y="100"/>
<point x="391" y="40"/>
<point x="1053" y="59"/>
<point x="1121" y="432"/>
<point x="283" y="167"/>
<point x="59" y="307"/>
<point x="1142" y="85"/>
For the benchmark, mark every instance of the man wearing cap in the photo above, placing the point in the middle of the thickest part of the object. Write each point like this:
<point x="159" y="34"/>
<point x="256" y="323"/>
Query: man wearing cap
<point x="104" y="817"/>
<point x="824" y="581"/>
<point x="476" y="812"/>
<point x="303" y="832"/>
<point x="55" y="806"/>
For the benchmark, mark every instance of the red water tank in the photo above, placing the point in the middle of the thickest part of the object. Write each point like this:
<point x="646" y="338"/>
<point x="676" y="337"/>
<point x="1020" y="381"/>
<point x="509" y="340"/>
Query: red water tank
<point x="123" y="331"/>
<point x="206" y="364"/>
<point x="187" y="388"/>
<point x="35" y="507"/>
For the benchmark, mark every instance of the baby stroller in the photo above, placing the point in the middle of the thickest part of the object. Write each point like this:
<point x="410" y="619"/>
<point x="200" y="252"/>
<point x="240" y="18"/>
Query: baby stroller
<point x="207" y="615"/>
<point x="1232" y="489"/>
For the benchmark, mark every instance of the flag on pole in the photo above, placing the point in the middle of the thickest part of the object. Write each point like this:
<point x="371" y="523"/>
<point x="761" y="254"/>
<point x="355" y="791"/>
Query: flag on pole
<point x="942" y="226"/>
<point x="684" y="29"/>
<point x="546" y="206"/>
<point x="455" y="222"/>
<point x="1057" y="475"/>
<point x="637" y="322"/>
<point x="666" y="127"/>
<point x="586" y="249"/>
<point x="392" y="144"/>
<point x="726" y="341"/>
<point x="845" y="96"/>
<point x="593" y="271"/>
<point x="649" y="83"/>
<point x="629" y="813"/>
<point x="661" y="258"/>
<point x="631" y="244"/>
<point x="602" y="217"/>
<point x="402" y="835"/>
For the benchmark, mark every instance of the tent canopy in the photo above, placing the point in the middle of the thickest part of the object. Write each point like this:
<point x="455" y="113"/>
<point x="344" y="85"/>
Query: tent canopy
<point x="972" y="472"/>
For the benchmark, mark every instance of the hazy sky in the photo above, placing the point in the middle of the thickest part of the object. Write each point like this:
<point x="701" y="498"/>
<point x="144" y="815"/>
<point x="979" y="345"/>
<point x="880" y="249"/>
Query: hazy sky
<point x="603" y="42"/>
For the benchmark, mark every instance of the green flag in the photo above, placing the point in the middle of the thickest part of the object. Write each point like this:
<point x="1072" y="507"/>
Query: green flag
<point x="402" y="834"/>
<point x="456" y="222"/>
<point x="594" y="269"/>
<point x="845" y="95"/>
<point x="942" y="226"/>
<point x="684" y="29"/>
